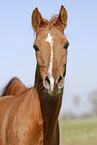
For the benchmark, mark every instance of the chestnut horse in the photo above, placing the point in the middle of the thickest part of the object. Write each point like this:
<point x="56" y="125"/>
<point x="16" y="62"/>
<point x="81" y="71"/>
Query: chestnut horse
<point x="30" y="116"/>
<point x="14" y="87"/>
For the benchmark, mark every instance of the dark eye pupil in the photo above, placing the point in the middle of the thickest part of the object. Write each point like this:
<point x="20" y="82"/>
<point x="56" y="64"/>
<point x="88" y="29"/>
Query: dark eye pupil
<point x="36" y="48"/>
<point x="66" y="45"/>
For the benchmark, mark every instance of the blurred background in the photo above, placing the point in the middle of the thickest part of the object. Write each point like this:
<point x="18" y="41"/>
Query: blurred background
<point x="17" y="58"/>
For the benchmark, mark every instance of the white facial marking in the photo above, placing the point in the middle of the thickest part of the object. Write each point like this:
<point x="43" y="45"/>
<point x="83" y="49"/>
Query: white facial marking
<point x="50" y="40"/>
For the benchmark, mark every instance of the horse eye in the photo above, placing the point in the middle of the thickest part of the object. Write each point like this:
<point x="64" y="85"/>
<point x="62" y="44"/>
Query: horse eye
<point x="36" y="48"/>
<point x="66" y="45"/>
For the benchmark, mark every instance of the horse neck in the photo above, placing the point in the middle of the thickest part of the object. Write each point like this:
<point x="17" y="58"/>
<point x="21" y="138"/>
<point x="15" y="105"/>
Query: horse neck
<point x="50" y="105"/>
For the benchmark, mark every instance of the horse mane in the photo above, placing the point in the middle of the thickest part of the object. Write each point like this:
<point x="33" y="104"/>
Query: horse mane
<point x="53" y="20"/>
<point x="50" y="23"/>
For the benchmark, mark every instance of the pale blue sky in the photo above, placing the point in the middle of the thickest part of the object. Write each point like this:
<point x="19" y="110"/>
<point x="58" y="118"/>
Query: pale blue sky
<point x="17" y="57"/>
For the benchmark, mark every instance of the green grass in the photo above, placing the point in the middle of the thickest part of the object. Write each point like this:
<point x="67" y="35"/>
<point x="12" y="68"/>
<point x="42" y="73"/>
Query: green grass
<point x="79" y="132"/>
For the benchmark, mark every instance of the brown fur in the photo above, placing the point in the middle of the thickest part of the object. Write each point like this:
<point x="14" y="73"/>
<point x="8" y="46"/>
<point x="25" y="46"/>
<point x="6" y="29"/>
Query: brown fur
<point x="14" y="87"/>
<point x="31" y="116"/>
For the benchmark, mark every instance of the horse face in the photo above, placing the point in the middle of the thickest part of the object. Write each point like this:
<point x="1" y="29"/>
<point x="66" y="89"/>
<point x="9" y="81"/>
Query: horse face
<point x="51" y="51"/>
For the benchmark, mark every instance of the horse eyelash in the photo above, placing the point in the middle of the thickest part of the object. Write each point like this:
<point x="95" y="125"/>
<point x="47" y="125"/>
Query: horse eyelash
<point x="66" y="45"/>
<point x="35" y="47"/>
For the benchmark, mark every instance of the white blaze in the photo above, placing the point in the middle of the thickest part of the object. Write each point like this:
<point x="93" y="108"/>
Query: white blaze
<point x="50" y="40"/>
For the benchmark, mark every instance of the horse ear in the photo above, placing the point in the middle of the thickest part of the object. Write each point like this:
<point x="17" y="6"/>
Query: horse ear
<point x="36" y="19"/>
<point x="62" y="18"/>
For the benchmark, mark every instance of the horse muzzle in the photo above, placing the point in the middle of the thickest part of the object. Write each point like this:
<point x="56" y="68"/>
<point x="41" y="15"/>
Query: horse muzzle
<point x="53" y="86"/>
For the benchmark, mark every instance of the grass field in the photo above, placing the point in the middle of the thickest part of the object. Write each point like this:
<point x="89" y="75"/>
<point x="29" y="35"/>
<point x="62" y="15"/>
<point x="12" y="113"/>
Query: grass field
<point x="79" y="132"/>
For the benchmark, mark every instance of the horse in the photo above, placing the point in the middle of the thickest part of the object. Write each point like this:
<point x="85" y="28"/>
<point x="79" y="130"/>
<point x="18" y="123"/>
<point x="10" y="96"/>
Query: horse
<point x="29" y="116"/>
<point x="14" y="87"/>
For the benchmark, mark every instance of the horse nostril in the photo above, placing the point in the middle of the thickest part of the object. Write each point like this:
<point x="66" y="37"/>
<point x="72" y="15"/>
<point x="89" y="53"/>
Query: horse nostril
<point x="60" y="78"/>
<point x="60" y="82"/>
<point x="47" y="79"/>
<point x="46" y="82"/>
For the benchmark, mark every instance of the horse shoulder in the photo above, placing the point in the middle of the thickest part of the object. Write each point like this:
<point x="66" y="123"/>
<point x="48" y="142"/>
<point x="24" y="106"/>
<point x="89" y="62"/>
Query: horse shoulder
<point x="5" y="104"/>
<point x="24" y="122"/>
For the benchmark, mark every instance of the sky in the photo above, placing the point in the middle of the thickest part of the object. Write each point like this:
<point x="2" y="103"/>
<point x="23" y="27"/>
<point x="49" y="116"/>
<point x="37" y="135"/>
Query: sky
<point x="17" y="56"/>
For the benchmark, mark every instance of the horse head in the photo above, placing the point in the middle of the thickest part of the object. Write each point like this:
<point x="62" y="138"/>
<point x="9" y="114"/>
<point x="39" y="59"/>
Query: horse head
<point x="51" y="50"/>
